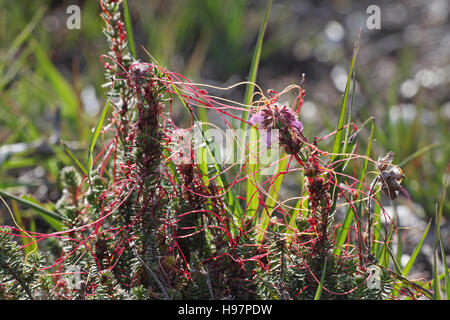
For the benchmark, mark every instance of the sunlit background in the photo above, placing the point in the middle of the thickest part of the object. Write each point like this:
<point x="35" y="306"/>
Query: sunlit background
<point x="51" y="78"/>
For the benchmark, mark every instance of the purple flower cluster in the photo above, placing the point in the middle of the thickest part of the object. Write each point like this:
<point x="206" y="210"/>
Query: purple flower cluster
<point x="276" y="117"/>
<point x="281" y="118"/>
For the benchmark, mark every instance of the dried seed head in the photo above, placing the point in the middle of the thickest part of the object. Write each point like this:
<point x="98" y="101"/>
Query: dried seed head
<point x="385" y="162"/>
<point x="390" y="177"/>
<point x="390" y="181"/>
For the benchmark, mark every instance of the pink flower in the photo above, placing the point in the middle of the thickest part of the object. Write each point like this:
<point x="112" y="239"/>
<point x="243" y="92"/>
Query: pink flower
<point x="257" y="118"/>
<point x="297" y="124"/>
<point x="276" y="117"/>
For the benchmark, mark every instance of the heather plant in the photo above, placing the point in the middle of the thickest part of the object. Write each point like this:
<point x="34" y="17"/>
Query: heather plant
<point x="155" y="214"/>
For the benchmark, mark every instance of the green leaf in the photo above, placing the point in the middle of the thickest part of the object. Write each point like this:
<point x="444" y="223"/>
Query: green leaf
<point x="349" y="119"/>
<point x="129" y="28"/>
<point x="74" y="158"/>
<point x="343" y="231"/>
<point x="253" y="173"/>
<point x="255" y="63"/>
<point x="444" y="261"/>
<point x="377" y="236"/>
<point x="418" y="153"/>
<point x="272" y="198"/>
<point x="203" y="165"/>
<point x="203" y="115"/>
<point x="94" y="137"/>
<point x="437" y="235"/>
<point x="399" y="253"/>
<point x="436" y="284"/>
<point x="397" y="266"/>
<point x="41" y="210"/>
<point x="21" y="38"/>
<point x="338" y="138"/>
<point x="416" y="251"/>
<point x="322" y="279"/>
<point x="382" y="255"/>
<point x="60" y="85"/>
<point x="25" y="240"/>
<point x="53" y="222"/>
<point x="302" y="203"/>
<point x="15" y="66"/>
<point x="252" y="154"/>
<point x="232" y="204"/>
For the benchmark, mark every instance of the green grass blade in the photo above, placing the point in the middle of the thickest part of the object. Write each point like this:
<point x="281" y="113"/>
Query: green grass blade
<point x="436" y="284"/>
<point x="201" y="152"/>
<point x="275" y="188"/>
<point x="338" y="138"/>
<point x="302" y="203"/>
<point x="15" y="66"/>
<point x="32" y="205"/>
<point x="399" y="253"/>
<point x="397" y="265"/>
<point x="437" y="235"/>
<point x="203" y="165"/>
<point x="350" y="113"/>
<point x="377" y="236"/>
<point x="60" y="85"/>
<point x="444" y="261"/>
<point x="203" y="115"/>
<point x="416" y="251"/>
<point x="25" y="240"/>
<point x="368" y="151"/>
<point x="252" y="169"/>
<point x="322" y="279"/>
<point x="234" y="208"/>
<point x="441" y="277"/>
<point x="382" y="255"/>
<point x="54" y="223"/>
<point x="74" y="158"/>
<point x="22" y="37"/>
<point x="129" y="28"/>
<point x="442" y="201"/>
<point x="253" y="173"/>
<point x="343" y="232"/>
<point x="255" y="63"/>
<point x="271" y="199"/>
<point x="10" y="58"/>
<point x="94" y="137"/>
<point x="418" y="153"/>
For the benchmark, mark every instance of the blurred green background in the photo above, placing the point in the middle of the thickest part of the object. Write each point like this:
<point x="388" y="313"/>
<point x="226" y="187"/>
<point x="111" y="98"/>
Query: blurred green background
<point x="51" y="77"/>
